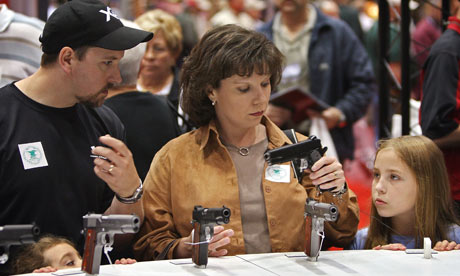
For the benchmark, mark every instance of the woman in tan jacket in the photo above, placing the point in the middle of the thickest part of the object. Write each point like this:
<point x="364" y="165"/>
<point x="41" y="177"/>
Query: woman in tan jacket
<point x="226" y="82"/>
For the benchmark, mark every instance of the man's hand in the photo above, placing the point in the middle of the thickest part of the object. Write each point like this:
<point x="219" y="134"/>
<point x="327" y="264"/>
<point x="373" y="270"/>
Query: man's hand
<point x="278" y="115"/>
<point x="118" y="171"/>
<point x="332" y="117"/>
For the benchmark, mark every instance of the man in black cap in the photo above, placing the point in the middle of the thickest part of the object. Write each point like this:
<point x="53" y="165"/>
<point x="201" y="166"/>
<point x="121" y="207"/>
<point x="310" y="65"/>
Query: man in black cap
<point x="61" y="152"/>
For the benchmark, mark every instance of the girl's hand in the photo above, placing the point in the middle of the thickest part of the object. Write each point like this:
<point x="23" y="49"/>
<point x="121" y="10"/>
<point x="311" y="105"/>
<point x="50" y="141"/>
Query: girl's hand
<point x="446" y="246"/>
<point x="391" y="246"/>
<point x="125" y="261"/>
<point x="46" y="269"/>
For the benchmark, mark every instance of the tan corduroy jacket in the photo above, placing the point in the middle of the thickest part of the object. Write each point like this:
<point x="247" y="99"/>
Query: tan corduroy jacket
<point x="196" y="169"/>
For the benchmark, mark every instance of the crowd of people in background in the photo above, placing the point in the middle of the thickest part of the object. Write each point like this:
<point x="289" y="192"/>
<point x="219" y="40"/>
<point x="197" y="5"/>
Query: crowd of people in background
<point x="184" y="94"/>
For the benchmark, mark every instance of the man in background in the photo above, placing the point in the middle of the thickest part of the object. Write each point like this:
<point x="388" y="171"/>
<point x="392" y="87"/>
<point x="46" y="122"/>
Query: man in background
<point x="147" y="118"/>
<point x="325" y="57"/>
<point x="440" y="109"/>
<point x="20" y="51"/>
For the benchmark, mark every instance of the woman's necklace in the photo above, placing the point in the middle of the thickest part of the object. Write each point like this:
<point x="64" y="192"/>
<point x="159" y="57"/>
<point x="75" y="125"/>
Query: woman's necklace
<point x="244" y="151"/>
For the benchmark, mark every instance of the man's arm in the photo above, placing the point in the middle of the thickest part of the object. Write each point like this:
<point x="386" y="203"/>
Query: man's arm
<point x="358" y="75"/>
<point x="119" y="172"/>
<point x="451" y="140"/>
<point x="439" y="111"/>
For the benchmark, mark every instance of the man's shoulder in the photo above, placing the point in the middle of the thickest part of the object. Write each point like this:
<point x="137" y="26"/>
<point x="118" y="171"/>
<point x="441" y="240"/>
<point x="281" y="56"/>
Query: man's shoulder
<point x="448" y="41"/>
<point x="102" y="110"/>
<point x="126" y="101"/>
<point x="266" y="28"/>
<point x="6" y="95"/>
<point x="31" y="21"/>
<point x="106" y="118"/>
<point x="324" y="21"/>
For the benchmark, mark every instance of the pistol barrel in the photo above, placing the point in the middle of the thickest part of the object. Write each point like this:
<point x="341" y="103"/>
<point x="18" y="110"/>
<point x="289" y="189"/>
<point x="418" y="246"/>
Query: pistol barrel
<point x="18" y="234"/>
<point x="292" y="152"/>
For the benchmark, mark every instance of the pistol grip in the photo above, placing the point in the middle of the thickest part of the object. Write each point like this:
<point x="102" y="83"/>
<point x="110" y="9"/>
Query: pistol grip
<point x="313" y="240"/>
<point x="93" y="252"/>
<point x="88" y="254"/>
<point x="200" y="250"/>
<point x="308" y="236"/>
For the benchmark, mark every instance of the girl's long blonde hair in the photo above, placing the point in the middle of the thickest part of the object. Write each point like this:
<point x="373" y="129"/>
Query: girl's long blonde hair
<point x="434" y="211"/>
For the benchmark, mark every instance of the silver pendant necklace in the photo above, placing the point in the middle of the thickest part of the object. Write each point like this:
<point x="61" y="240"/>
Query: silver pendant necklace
<point x="244" y="151"/>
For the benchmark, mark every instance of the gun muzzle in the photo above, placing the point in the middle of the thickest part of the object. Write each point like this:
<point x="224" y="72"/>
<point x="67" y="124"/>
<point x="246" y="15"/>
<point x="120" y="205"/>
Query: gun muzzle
<point x="211" y="215"/>
<point x="203" y="223"/>
<point x="326" y="211"/>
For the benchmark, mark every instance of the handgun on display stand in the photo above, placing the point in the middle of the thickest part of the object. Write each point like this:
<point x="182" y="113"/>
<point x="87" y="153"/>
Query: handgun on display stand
<point x="315" y="215"/>
<point x="203" y="222"/>
<point x="100" y="231"/>
<point x="19" y="234"/>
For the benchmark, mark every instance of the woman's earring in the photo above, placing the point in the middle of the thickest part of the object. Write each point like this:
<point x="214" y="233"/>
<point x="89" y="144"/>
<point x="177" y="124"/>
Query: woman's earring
<point x="213" y="103"/>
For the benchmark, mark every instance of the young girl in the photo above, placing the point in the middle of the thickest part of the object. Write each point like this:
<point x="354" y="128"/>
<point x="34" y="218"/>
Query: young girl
<point x="410" y="198"/>
<point x="50" y="254"/>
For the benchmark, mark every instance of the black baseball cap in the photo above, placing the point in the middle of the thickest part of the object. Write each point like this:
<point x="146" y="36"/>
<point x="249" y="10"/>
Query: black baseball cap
<point x="88" y="22"/>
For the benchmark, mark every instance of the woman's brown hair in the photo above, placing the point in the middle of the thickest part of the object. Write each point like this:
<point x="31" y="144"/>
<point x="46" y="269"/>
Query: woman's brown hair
<point x="221" y="53"/>
<point x="434" y="211"/>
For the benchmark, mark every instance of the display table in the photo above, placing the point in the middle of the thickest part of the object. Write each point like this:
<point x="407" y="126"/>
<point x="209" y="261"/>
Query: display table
<point x="350" y="262"/>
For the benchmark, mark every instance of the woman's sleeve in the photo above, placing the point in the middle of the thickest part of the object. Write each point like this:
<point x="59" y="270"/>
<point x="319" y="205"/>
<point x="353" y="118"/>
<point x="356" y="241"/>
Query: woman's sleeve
<point x="157" y="237"/>
<point x="341" y="232"/>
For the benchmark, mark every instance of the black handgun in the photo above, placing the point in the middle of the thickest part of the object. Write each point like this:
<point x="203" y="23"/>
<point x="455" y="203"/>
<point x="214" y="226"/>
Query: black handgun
<point x="100" y="231"/>
<point x="203" y="223"/>
<point x="19" y="234"/>
<point x="315" y="215"/>
<point x="302" y="155"/>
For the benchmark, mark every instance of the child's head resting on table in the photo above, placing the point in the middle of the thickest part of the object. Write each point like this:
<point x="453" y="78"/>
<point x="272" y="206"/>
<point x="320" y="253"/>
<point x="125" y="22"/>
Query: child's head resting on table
<point x="49" y="251"/>
<point x="50" y="254"/>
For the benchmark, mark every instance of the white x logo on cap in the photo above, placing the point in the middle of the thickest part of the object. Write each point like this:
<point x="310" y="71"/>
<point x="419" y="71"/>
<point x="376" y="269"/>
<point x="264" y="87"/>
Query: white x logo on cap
<point x="108" y="13"/>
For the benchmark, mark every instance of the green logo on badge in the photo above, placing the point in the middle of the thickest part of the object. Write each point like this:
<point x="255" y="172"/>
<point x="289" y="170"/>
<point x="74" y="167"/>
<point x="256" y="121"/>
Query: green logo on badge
<point x="276" y="172"/>
<point x="32" y="155"/>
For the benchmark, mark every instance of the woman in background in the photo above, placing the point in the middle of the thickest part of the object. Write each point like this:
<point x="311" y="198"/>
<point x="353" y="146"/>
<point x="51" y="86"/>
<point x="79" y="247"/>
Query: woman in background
<point x="158" y="73"/>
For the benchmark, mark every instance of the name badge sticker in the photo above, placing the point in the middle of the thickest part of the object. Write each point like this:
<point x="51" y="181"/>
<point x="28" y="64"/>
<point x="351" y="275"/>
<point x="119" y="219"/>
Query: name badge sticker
<point x="278" y="173"/>
<point x="32" y="155"/>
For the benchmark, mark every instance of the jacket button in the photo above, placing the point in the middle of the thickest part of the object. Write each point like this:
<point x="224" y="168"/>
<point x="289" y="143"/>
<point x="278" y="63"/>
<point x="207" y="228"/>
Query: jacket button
<point x="268" y="189"/>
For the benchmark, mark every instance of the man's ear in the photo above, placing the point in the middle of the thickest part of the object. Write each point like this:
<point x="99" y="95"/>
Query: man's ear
<point x="66" y="58"/>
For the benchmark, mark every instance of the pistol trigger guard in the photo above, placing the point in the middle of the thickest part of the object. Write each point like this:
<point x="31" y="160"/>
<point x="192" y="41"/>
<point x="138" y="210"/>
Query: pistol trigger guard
<point x="303" y="164"/>
<point x="208" y="233"/>
<point x="323" y="151"/>
<point x="111" y="240"/>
